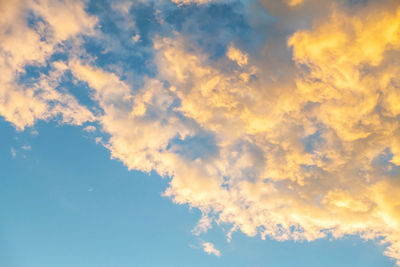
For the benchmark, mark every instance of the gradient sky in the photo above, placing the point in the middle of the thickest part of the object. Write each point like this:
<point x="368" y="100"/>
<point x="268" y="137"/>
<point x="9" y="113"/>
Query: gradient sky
<point x="199" y="133"/>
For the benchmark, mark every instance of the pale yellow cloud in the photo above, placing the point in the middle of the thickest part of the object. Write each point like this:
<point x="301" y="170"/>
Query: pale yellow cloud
<point x="66" y="18"/>
<point x="264" y="179"/>
<point x="236" y="55"/>
<point x="89" y="129"/>
<point x="342" y="98"/>
<point x="210" y="249"/>
<point x="125" y="118"/>
<point x="294" y="3"/>
<point x="23" y="44"/>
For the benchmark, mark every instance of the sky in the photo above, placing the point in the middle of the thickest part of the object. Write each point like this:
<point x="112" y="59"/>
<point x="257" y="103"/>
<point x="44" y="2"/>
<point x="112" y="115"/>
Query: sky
<point x="199" y="133"/>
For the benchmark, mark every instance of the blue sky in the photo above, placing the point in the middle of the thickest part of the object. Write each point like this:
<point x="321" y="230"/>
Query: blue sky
<point x="199" y="133"/>
<point x="68" y="204"/>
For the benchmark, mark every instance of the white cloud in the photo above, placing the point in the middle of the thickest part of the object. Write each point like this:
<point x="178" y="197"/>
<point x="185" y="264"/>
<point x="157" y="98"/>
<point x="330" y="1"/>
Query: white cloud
<point x="13" y="152"/>
<point x="34" y="132"/>
<point x="186" y="2"/>
<point x="23" y="44"/>
<point x="89" y="128"/>
<point x="136" y="38"/>
<point x="26" y="147"/>
<point x="203" y="225"/>
<point x="210" y="249"/>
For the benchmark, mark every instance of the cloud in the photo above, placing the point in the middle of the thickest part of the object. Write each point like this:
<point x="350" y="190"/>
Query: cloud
<point x="294" y="140"/>
<point x="90" y="128"/>
<point x="203" y="225"/>
<point x="13" y="152"/>
<point x="237" y="55"/>
<point x="186" y="2"/>
<point x="210" y="249"/>
<point x="305" y="167"/>
<point x="295" y="2"/>
<point x="26" y="147"/>
<point x="27" y="43"/>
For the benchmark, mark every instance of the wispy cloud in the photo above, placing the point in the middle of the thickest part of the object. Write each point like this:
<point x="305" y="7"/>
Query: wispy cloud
<point x="210" y="249"/>
<point x="26" y="147"/>
<point x="13" y="152"/>
<point x="90" y="128"/>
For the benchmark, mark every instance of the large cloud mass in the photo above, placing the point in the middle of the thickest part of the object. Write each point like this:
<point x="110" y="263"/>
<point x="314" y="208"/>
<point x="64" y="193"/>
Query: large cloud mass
<point x="302" y="142"/>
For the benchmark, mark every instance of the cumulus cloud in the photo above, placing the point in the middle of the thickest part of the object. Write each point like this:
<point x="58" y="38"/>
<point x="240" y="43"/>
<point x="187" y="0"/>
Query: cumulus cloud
<point x="296" y="162"/>
<point x="299" y="143"/>
<point x="296" y="170"/>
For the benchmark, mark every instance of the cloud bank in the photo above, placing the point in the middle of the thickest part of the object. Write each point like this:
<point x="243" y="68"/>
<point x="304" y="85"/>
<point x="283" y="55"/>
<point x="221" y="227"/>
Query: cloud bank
<point x="297" y="138"/>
